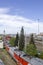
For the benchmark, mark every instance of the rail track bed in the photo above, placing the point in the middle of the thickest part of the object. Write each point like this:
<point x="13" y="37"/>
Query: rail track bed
<point x="6" y="58"/>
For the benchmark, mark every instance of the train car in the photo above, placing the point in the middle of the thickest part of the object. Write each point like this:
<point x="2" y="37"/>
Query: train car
<point x="22" y="58"/>
<point x="19" y="56"/>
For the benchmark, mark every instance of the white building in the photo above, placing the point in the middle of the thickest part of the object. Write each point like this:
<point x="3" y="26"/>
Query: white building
<point x="1" y="44"/>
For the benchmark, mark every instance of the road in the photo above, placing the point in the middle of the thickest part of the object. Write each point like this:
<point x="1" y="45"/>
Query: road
<point x="6" y="58"/>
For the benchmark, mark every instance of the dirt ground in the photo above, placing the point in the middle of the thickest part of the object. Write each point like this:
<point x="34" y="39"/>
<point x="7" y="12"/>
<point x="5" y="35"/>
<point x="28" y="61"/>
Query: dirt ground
<point x="6" y="58"/>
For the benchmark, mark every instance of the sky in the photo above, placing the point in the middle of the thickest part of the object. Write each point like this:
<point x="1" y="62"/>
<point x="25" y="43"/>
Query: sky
<point x="17" y="13"/>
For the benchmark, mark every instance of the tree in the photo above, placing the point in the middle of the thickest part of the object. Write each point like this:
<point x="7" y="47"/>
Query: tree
<point x="21" y="40"/>
<point x="32" y="40"/>
<point x="12" y="40"/>
<point x="16" y="39"/>
<point x="41" y="55"/>
<point x="31" y="50"/>
<point x="0" y="38"/>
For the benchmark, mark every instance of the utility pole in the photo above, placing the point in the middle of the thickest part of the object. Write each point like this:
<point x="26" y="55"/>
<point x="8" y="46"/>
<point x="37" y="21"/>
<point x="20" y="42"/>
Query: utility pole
<point x="38" y="26"/>
<point x="25" y="42"/>
<point x="4" y="40"/>
<point x="4" y="32"/>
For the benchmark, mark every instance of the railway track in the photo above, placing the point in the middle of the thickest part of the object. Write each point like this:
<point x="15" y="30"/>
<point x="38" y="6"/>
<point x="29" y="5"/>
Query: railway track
<point x="6" y="58"/>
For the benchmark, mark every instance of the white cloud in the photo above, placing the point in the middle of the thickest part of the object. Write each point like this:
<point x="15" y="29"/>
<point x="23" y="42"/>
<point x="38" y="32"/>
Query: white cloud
<point x="4" y="10"/>
<point x="13" y="23"/>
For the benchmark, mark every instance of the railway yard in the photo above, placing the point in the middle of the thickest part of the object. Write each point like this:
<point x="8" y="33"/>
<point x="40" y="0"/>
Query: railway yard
<point x="6" y="58"/>
<point x="9" y="53"/>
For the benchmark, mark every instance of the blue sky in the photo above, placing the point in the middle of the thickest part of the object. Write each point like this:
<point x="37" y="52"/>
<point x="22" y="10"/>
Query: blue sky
<point x="22" y="13"/>
<point x="32" y="9"/>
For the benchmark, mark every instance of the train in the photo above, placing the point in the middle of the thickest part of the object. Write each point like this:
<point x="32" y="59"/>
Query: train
<point x="21" y="57"/>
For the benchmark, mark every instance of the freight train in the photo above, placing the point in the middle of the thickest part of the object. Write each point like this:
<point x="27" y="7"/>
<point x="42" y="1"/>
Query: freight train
<point x="22" y="58"/>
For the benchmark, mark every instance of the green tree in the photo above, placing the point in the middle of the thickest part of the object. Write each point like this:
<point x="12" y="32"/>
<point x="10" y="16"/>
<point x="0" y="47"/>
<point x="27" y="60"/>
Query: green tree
<point x="41" y="55"/>
<point x="21" y="40"/>
<point x="16" y="39"/>
<point x="12" y="40"/>
<point x="0" y="38"/>
<point x="31" y="50"/>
